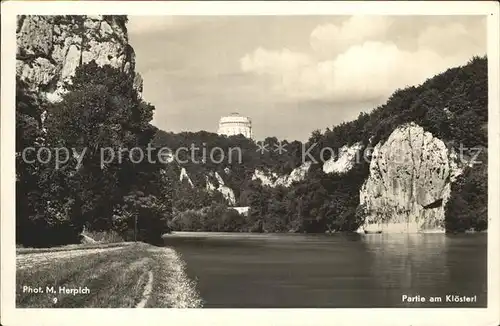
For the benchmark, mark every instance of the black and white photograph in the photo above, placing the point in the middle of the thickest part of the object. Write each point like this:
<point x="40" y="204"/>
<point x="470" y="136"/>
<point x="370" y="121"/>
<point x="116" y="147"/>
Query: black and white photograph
<point x="305" y="159"/>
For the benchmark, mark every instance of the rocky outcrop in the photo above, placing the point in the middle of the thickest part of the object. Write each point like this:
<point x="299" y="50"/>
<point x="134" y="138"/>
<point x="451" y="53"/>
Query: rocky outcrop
<point x="184" y="176"/>
<point x="343" y="163"/>
<point x="266" y="178"/>
<point x="226" y="192"/>
<point x="272" y="179"/>
<point x="345" y="160"/>
<point x="50" y="48"/>
<point x="409" y="182"/>
<point x="242" y="210"/>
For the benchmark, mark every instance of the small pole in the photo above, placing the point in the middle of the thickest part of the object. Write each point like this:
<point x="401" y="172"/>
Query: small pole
<point x="135" y="227"/>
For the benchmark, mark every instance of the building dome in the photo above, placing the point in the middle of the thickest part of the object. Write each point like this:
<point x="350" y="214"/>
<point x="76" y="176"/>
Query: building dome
<point x="235" y="124"/>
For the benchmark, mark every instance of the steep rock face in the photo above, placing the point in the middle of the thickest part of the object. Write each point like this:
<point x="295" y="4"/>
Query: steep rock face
<point x="267" y="178"/>
<point x="409" y="182"/>
<point x="341" y="164"/>
<point x="275" y="180"/>
<point x="345" y="160"/>
<point x="50" y="48"/>
<point x="226" y="192"/>
<point x="184" y="176"/>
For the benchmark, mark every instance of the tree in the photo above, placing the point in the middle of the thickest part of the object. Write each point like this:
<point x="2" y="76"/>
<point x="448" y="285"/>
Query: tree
<point x="101" y="113"/>
<point x="146" y="215"/>
<point x="467" y="207"/>
<point x="45" y="212"/>
<point x="452" y="106"/>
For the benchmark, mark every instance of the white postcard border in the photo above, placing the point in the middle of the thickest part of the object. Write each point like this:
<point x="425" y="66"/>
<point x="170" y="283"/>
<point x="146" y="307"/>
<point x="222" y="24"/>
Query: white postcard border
<point x="354" y="316"/>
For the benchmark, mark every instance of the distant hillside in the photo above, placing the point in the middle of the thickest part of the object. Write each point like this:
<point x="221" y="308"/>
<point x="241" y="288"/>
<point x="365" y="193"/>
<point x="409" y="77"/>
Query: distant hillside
<point x="406" y="166"/>
<point x="445" y="117"/>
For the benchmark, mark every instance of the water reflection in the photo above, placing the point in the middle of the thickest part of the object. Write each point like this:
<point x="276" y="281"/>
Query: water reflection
<point x="300" y="271"/>
<point x="411" y="264"/>
<point x="469" y="251"/>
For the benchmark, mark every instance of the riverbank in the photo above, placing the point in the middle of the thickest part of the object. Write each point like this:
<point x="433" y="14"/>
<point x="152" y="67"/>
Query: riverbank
<point x="359" y="231"/>
<point x="123" y="275"/>
<point x="397" y="228"/>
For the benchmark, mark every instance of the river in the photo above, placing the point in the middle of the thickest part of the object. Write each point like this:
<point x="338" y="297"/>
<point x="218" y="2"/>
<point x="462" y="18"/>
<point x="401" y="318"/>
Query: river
<point x="235" y="270"/>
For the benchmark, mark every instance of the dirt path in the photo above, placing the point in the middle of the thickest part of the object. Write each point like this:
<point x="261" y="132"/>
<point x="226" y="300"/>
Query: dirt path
<point x="132" y="275"/>
<point x="40" y="259"/>
<point x="147" y="291"/>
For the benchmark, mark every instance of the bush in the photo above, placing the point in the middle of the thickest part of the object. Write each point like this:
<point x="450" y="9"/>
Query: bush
<point x="101" y="109"/>
<point x="467" y="207"/>
<point x="110" y="236"/>
<point x="40" y="234"/>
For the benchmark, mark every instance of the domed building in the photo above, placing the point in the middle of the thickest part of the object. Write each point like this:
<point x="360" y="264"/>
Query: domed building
<point x="235" y="124"/>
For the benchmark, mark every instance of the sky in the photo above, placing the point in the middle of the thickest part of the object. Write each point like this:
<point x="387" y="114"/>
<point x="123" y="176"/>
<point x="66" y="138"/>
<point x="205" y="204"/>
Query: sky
<point x="290" y="74"/>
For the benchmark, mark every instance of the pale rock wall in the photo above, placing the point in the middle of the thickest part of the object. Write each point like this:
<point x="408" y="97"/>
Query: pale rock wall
<point x="409" y="182"/>
<point x="298" y="174"/>
<point x="345" y="161"/>
<point x="267" y="178"/>
<point x="50" y="48"/>
<point x="242" y="210"/>
<point x="209" y="185"/>
<point x="184" y="176"/>
<point x="226" y="192"/>
<point x="273" y="180"/>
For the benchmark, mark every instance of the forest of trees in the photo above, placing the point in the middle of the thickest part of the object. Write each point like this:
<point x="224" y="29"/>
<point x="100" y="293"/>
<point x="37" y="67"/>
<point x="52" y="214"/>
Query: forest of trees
<point x="102" y="109"/>
<point x="453" y="106"/>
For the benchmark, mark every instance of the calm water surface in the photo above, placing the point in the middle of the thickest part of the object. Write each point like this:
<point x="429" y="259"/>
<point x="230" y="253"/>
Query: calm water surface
<point x="334" y="271"/>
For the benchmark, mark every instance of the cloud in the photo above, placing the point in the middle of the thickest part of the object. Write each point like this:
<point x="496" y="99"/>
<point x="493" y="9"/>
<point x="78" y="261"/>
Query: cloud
<point x="142" y="24"/>
<point x="330" y="38"/>
<point x="365" y="69"/>
<point x="150" y="24"/>
<point x="376" y="69"/>
<point x="263" y="61"/>
<point x="453" y="38"/>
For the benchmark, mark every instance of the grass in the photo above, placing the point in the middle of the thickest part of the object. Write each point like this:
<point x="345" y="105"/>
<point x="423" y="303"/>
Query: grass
<point x="117" y="277"/>
<point x="173" y="286"/>
<point x="101" y="238"/>
<point x="21" y="251"/>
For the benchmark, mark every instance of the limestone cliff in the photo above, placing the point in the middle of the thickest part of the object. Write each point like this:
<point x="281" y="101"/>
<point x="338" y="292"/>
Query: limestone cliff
<point x="184" y="176"/>
<point x="409" y="182"/>
<point x="273" y="180"/>
<point x="226" y="192"/>
<point x="50" y="48"/>
<point x="345" y="160"/>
